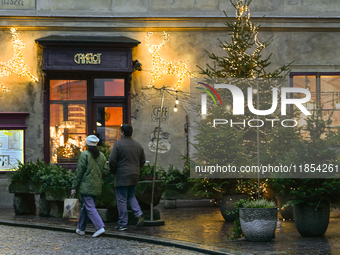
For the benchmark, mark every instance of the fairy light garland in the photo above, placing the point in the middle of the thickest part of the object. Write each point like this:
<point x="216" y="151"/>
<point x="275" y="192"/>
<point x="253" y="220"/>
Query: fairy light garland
<point x="16" y="64"/>
<point x="67" y="150"/>
<point x="161" y="67"/>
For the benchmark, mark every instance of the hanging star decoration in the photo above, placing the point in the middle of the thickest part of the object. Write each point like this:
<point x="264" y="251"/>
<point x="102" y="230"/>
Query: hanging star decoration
<point x="16" y="64"/>
<point x="161" y="67"/>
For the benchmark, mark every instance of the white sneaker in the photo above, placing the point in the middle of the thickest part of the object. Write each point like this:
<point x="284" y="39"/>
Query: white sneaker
<point x="99" y="232"/>
<point x="79" y="232"/>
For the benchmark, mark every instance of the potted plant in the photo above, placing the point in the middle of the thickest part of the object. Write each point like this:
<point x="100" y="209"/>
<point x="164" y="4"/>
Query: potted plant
<point x="255" y="220"/>
<point x="176" y="182"/>
<point x="51" y="181"/>
<point x="227" y="192"/>
<point x="25" y="179"/>
<point x="311" y="195"/>
<point x="311" y="199"/>
<point x="144" y="187"/>
<point x="25" y="185"/>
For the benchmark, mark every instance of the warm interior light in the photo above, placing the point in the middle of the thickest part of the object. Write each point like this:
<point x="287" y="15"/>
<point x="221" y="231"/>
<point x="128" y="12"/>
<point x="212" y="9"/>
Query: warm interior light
<point x="16" y="63"/>
<point x="67" y="150"/>
<point x="99" y="124"/>
<point x="67" y="124"/>
<point x="161" y="67"/>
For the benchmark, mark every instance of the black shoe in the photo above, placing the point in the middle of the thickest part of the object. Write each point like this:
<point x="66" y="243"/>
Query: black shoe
<point x="121" y="228"/>
<point x="140" y="221"/>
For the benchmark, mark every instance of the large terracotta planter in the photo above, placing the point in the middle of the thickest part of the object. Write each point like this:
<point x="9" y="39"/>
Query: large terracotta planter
<point x="258" y="224"/>
<point x="311" y="220"/>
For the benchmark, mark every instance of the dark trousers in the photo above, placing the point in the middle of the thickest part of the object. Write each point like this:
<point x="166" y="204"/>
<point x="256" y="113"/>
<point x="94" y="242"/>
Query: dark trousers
<point x="124" y="195"/>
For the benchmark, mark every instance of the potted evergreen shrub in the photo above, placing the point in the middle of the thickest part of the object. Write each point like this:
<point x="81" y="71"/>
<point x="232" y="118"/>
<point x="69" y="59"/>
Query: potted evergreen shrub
<point x="176" y="182"/>
<point x="310" y="194"/>
<point x="144" y="187"/>
<point x="242" y="59"/>
<point x="25" y="184"/>
<point x="51" y="181"/>
<point x="256" y="220"/>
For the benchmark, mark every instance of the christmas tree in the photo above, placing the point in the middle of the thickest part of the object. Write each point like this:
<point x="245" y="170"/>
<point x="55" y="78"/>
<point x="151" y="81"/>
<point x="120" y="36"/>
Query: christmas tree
<point x="243" y="57"/>
<point x="237" y="145"/>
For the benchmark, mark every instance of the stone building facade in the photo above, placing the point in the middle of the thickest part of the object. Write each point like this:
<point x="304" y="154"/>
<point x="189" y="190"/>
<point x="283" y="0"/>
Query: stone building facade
<point x="306" y="32"/>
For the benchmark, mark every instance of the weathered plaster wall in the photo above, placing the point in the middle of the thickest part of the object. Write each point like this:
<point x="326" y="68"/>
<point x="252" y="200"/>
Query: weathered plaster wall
<point x="25" y="96"/>
<point x="154" y="8"/>
<point x="306" y="32"/>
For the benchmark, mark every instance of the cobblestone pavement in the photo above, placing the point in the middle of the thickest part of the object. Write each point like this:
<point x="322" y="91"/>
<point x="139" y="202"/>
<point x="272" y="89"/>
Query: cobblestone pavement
<point x="18" y="240"/>
<point x="200" y="227"/>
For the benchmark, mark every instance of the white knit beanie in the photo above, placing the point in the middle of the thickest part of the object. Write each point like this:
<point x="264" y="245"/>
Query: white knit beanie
<point x="92" y="140"/>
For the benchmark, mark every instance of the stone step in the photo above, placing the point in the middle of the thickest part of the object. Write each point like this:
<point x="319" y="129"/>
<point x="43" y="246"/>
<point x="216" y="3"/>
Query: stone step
<point x="182" y="203"/>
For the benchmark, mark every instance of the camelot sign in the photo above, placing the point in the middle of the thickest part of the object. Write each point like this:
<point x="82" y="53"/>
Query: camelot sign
<point x="88" y="58"/>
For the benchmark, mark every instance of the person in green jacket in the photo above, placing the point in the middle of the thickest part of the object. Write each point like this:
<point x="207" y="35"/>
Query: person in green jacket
<point x="89" y="173"/>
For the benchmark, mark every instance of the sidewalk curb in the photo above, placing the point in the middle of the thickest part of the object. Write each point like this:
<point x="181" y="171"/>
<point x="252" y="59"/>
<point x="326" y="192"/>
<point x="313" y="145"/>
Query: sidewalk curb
<point x="133" y="237"/>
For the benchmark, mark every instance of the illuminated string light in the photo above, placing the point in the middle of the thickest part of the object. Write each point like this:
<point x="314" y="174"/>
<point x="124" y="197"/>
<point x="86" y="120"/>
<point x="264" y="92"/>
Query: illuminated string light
<point x="67" y="149"/>
<point x="4" y="89"/>
<point x="177" y="101"/>
<point x="16" y="64"/>
<point x="161" y="67"/>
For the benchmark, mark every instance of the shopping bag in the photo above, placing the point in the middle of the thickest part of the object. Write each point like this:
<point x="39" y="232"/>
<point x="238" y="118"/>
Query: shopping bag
<point x="71" y="208"/>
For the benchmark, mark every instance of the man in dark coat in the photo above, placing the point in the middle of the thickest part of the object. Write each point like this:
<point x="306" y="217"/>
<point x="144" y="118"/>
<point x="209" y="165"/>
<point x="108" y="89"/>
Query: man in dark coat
<point x="126" y="159"/>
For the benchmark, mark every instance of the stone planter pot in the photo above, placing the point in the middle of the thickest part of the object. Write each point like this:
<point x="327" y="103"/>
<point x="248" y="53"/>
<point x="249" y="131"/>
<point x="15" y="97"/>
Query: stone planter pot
<point x="144" y="193"/>
<point x="310" y="221"/>
<point x="57" y="194"/>
<point x="226" y="204"/>
<point x="258" y="224"/>
<point x="24" y="187"/>
<point x="286" y="212"/>
<point x="24" y="196"/>
<point x="52" y="201"/>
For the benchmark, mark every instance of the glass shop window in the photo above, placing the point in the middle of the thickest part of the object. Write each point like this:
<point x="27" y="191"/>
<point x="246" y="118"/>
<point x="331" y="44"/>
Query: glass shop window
<point x="109" y="120"/>
<point x="109" y="87"/>
<point x="11" y="148"/>
<point x="68" y="102"/>
<point x="325" y="93"/>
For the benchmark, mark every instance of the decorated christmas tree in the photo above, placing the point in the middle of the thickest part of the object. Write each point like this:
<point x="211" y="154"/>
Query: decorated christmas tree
<point x="242" y="60"/>
<point x="242" y="57"/>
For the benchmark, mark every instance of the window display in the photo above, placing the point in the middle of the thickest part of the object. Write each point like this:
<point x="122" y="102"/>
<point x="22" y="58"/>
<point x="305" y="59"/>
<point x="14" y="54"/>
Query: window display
<point x="11" y="148"/>
<point x="67" y="120"/>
